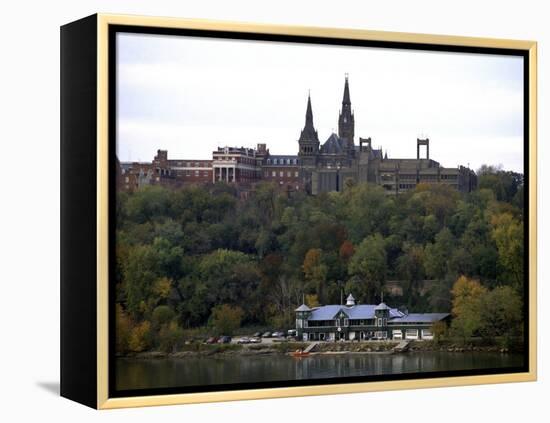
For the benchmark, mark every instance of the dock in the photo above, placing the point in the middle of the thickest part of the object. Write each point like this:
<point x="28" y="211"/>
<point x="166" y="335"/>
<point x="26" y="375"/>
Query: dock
<point x="311" y="347"/>
<point x="403" y="346"/>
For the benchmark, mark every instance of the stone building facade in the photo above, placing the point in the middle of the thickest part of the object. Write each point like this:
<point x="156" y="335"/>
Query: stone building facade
<point x="327" y="166"/>
<point x="317" y="168"/>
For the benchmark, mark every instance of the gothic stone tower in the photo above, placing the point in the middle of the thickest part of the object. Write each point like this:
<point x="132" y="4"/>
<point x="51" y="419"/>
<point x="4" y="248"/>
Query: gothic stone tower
<point x="309" y="141"/>
<point x="346" y="120"/>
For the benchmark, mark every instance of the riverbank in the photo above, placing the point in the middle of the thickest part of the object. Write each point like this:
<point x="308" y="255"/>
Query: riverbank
<point x="366" y="347"/>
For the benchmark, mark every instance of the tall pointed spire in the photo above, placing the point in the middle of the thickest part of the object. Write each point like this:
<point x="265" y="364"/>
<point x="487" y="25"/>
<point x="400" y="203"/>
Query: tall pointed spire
<point x="309" y="133"/>
<point x="346" y="100"/>
<point x="309" y="111"/>
<point x="309" y="140"/>
<point x="346" y="120"/>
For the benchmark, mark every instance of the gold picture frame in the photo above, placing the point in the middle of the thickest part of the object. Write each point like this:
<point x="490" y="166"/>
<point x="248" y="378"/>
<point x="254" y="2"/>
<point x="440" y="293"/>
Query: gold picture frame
<point x="98" y="27"/>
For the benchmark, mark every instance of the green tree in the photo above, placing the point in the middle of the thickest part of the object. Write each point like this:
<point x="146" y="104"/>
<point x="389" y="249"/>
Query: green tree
<point x="170" y="337"/>
<point x="501" y="314"/>
<point x="231" y="277"/>
<point x="369" y="265"/>
<point x="505" y="184"/>
<point x="410" y="268"/>
<point x="162" y="315"/>
<point x="437" y="254"/>
<point x="225" y="319"/>
<point x="124" y="326"/>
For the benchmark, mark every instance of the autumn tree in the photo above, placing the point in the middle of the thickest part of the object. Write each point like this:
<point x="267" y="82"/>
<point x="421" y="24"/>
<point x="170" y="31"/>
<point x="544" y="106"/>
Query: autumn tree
<point x="468" y="299"/>
<point x="140" y="337"/>
<point x="346" y="250"/>
<point x="315" y="272"/>
<point x="507" y="233"/>
<point x="225" y="319"/>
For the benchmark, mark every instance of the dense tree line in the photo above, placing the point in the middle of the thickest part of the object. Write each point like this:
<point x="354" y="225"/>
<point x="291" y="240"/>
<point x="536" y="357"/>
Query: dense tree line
<point x="188" y="257"/>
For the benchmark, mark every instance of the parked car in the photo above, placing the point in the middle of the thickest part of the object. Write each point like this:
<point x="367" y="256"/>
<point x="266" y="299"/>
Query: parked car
<point x="211" y="340"/>
<point x="278" y="334"/>
<point x="257" y="334"/>
<point x="266" y="335"/>
<point x="244" y="340"/>
<point x="292" y="332"/>
<point x="224" y="340"/>
<point x="255" y="340"/>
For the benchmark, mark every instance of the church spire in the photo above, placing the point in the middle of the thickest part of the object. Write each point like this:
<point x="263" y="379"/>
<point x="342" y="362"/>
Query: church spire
<point x="309" y="140"/>
<point x="346" y="120"/>
<point x="346" y="100"/>
<point x="309" y="111"/>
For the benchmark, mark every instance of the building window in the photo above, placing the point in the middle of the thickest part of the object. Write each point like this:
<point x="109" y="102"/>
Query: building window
<point x="397" y="334"/>
<point x="427" y="334"/>
<point x="296" y="174"/>
<point x="289" y="174"/>
<point x="273" y="173"/>
<point x="379" y="322"/>
<point x="346" y="322"/>
<point x="281" y="174"/>
<point x="411" y="334"/>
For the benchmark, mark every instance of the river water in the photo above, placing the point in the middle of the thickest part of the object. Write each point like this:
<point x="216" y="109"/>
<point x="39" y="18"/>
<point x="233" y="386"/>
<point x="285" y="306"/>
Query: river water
<point x="192" y="371"/>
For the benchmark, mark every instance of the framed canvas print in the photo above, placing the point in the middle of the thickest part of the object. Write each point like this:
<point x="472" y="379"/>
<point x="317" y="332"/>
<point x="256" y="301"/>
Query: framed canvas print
<point x="256" y="211"/>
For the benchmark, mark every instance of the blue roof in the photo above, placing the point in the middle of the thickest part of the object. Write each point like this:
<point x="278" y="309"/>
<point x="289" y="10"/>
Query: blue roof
<point x="361" y="311"/>
<point x="420" y="318"/>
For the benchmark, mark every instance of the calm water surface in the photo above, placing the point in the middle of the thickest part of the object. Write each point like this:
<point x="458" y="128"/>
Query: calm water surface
<point x="190" y="371"/>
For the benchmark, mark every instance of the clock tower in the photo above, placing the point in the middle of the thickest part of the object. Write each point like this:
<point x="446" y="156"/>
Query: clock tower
<point x="346" y="120"/>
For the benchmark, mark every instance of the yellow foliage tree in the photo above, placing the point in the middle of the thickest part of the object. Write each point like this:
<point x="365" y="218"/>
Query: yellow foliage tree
<point x="468" y="298"/>
<point x="162" y="287"/>
<point x="140" y="337"/>
<point x="507" y="233"/>
<point x="312" y="300"/>
<point x="315" y="272"/>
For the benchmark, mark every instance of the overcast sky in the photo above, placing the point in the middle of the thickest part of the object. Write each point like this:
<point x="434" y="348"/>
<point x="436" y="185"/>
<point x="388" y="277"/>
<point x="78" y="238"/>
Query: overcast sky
<point x="189" y="95"/>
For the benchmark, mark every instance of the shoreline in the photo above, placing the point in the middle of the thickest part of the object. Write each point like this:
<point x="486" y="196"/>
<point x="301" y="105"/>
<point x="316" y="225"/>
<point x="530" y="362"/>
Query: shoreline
<point x="365" y="348"/>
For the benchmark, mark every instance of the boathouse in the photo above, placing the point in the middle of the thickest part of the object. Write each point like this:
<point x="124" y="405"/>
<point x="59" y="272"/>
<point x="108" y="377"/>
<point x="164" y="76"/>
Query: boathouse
<point x="363" y="322"/>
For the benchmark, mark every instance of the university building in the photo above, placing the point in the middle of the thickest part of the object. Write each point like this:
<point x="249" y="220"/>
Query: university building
<point x="363" y="322"/>
<point x="316" y="168"/>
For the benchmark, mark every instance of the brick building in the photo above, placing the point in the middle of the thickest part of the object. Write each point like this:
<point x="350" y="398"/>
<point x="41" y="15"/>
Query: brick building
<point x="315" y="169"/>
